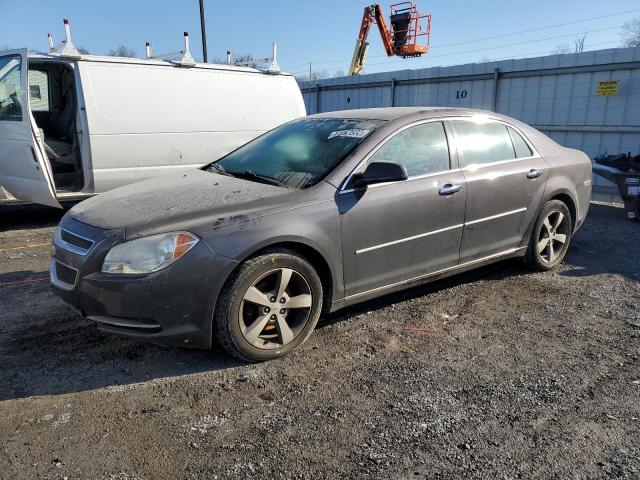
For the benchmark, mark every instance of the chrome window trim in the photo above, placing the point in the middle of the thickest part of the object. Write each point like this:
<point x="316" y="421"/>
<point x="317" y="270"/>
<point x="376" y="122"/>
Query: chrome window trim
<point x="53" y="276"/>
<point x="410" y="179"/>
<point x="477" y="166"/>
<point x="59" y="242"/>
<point x="408" y="239"/>
<point x="437" y="272"/>
<point x="382" y="143"/>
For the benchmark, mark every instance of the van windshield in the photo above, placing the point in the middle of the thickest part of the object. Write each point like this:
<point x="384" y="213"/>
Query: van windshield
<point x="298" y="154"/>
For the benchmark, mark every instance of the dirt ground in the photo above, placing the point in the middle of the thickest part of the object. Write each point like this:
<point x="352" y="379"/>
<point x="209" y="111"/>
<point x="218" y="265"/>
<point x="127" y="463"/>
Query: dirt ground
<point x="496" y="374"/>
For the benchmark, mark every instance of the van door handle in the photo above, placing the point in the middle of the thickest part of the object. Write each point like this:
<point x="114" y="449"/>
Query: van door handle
<point x="533" y="173"/>
<point x="450" y="189"/>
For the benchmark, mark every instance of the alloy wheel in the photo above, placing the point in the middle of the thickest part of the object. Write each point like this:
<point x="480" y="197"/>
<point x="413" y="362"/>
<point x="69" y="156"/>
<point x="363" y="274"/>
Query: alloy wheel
<point x="275" y="308"/>
<point x="552" y="239"/>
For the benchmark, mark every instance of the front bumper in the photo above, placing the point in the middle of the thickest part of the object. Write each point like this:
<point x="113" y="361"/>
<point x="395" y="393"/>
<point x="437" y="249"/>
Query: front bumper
<point x="173" y="306"/>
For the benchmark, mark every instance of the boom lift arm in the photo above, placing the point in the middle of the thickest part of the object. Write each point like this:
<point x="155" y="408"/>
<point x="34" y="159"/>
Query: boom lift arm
<point x="401" y="40"/>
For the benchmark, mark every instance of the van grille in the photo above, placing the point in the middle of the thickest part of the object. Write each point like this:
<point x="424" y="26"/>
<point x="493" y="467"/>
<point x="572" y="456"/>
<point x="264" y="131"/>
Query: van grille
<point x="76" y="240"/>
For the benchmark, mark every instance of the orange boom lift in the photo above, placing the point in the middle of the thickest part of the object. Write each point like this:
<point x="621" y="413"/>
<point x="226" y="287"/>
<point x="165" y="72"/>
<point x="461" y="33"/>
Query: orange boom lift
<point x="401" y="40"/>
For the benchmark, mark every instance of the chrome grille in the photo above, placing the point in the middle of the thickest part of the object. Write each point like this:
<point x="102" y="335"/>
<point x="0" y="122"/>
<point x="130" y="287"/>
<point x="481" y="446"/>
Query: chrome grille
<point x="75" y="240"/>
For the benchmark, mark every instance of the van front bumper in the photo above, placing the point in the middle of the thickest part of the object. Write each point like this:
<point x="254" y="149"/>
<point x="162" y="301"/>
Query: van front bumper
<point x="173" y="306"/>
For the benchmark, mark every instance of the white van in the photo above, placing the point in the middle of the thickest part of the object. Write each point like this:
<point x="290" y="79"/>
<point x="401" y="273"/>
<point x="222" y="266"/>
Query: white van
<point x="72" y="127"/>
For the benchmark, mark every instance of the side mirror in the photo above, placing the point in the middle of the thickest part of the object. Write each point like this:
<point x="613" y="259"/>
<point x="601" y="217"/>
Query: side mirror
<point x="379" y="172"/>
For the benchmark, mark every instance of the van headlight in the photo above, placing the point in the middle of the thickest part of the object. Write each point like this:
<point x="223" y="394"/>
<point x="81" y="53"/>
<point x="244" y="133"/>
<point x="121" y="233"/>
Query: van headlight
<point x="148" y="254"/>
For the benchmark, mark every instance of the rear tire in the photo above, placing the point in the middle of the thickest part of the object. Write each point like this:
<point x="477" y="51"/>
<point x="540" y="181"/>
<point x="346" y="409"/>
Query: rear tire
<point x="269" y="306"/>
<point x="550" y="237"/>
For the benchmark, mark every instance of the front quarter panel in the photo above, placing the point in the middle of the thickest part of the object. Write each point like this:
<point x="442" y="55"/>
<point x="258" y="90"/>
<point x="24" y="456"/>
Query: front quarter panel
<point x="314" y="225"/>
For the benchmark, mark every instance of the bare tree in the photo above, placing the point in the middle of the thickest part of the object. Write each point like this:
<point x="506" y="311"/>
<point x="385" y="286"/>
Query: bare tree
<point x="631" y="33"/>
<point x="84" y="51"/>
<point x="247" y="60"/>
<point x="578" y="46"/>
<point x="122" y="51"/>
<point x="578" y="43"/>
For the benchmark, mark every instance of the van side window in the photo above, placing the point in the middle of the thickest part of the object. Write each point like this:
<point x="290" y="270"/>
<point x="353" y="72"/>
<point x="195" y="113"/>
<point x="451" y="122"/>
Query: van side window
<point x="483" y="142"/>
<point x="10" y="89"/>
<point x="521" y="147"/>
<point x="421" y="149"/>
<point x="39" y="91"/>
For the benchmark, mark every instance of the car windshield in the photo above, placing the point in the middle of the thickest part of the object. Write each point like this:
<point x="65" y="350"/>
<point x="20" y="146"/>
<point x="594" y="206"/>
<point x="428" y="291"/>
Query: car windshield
<point x="298" y="154"/>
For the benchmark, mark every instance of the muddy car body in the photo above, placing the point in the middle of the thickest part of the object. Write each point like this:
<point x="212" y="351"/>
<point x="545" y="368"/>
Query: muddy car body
<point x="404" y="196"/>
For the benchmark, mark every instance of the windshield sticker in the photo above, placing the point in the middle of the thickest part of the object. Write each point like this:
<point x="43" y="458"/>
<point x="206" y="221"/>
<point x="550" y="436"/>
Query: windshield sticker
<point x="353" y="133"/>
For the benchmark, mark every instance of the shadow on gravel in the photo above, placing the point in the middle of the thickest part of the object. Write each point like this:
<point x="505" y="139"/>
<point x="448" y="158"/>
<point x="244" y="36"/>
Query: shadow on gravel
<point x="20" y="217"/>
<point x="496" y="271"/>
<point x="48" y="349"/>
<point x="608" y="243"/>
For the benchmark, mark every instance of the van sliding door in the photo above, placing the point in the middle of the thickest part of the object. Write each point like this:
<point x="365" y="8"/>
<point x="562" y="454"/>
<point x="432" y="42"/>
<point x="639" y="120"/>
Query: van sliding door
<point x="24" y="169"/>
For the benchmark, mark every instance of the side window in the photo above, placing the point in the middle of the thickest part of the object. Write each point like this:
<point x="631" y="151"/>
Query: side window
<point x="421" y="149"/>
<point x="10" y="89"/>
<point x="483" y="142"/>
<point x="39" y="91"/>
<point x="521" y="147"/>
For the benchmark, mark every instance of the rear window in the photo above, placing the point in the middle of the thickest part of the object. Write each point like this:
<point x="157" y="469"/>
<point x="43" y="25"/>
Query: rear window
<point x="39" y="91"/>
<point x="483" y="142"/>
<point x="521" y="147"/>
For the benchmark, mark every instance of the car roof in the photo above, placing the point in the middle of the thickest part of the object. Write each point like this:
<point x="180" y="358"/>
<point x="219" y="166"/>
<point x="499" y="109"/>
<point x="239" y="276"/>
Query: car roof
<point x="393" y="113"/>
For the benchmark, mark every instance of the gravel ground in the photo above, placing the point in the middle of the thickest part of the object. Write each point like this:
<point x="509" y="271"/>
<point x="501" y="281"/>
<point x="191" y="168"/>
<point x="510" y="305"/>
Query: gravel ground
<point x="496" y="374"/>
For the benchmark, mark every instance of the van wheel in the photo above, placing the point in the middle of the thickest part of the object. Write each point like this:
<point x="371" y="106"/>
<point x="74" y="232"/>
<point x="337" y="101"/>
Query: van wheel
<point x="268" y="307"/>
<point x="550" y="238"/>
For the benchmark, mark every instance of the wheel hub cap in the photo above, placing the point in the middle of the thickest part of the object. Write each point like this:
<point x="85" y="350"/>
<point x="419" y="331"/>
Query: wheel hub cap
<point x="266" y="327"/>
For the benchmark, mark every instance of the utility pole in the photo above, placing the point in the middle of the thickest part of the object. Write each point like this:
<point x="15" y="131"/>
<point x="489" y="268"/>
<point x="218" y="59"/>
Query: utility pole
<point x="204" y="33"/>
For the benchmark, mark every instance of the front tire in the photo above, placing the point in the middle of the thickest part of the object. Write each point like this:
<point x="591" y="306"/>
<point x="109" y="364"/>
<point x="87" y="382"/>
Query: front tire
<point x="269" y="306"/>
<point x="550" y="237"/>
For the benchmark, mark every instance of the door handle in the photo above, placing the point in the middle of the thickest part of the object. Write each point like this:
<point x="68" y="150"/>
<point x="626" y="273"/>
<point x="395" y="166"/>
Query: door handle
<point x="533" y="173"/>
<point x="449" y="189"/>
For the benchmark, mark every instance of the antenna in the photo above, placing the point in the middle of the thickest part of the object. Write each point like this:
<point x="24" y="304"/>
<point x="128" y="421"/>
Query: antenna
<point x="274" y="67"/>
<point x="186" y="60"/>
<point x="148" y="49"/>
<point x="52" y="48"/>
<point x="68" y="50"/>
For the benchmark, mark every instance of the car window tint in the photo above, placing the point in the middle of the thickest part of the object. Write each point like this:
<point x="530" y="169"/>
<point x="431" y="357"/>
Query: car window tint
<point x="421" y="149"/>
<point x="522" y="149"/>
<point x="483" y="142"/>
<point x="10" y="88"/>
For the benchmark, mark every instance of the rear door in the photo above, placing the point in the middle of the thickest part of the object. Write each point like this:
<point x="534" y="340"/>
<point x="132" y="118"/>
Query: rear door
<point x="24" y="170"/>
<point x="505" y="181"/>
<point x="398" y="231"/>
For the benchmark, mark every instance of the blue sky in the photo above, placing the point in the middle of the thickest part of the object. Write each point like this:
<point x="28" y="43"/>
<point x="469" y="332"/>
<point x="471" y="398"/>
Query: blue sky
<point x="323" y="32"/>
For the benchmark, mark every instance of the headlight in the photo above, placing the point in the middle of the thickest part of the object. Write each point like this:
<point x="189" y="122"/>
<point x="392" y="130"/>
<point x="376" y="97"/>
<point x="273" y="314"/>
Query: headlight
<point x="148" y="254"/>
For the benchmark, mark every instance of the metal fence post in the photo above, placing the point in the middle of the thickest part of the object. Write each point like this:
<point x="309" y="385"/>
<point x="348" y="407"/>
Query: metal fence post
<point x="496" y="81"/>
<point x="318" y="98"/>
<point x="393" y="92"/>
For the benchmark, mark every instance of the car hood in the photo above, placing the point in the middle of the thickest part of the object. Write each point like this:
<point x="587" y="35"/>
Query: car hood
<point x="196" y="198"/>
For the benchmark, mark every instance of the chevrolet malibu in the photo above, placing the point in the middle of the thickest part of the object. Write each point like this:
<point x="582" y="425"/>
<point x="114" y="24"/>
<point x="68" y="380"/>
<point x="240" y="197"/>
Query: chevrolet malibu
<point x="315" y="215"/>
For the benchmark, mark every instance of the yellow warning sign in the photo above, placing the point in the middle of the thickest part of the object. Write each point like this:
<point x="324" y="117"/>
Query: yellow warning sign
<point x="607" y="88"/>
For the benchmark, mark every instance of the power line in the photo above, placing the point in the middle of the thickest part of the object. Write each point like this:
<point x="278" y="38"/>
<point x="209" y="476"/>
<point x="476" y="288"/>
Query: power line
<point x="573" y="22"/>
<point x="526" y="42"/>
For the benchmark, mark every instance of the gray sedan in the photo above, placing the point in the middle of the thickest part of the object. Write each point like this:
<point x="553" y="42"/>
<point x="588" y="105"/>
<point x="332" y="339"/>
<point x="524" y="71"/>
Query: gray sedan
<point x="320" y="213"/>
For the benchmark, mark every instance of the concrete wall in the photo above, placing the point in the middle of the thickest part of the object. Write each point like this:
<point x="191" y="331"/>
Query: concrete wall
<point x="557" y="94"/>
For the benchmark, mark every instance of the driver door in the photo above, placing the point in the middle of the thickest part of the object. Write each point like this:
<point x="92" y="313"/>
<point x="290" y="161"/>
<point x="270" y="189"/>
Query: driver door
<point x="25" y="171"/>
<point x="399" y="231"/>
